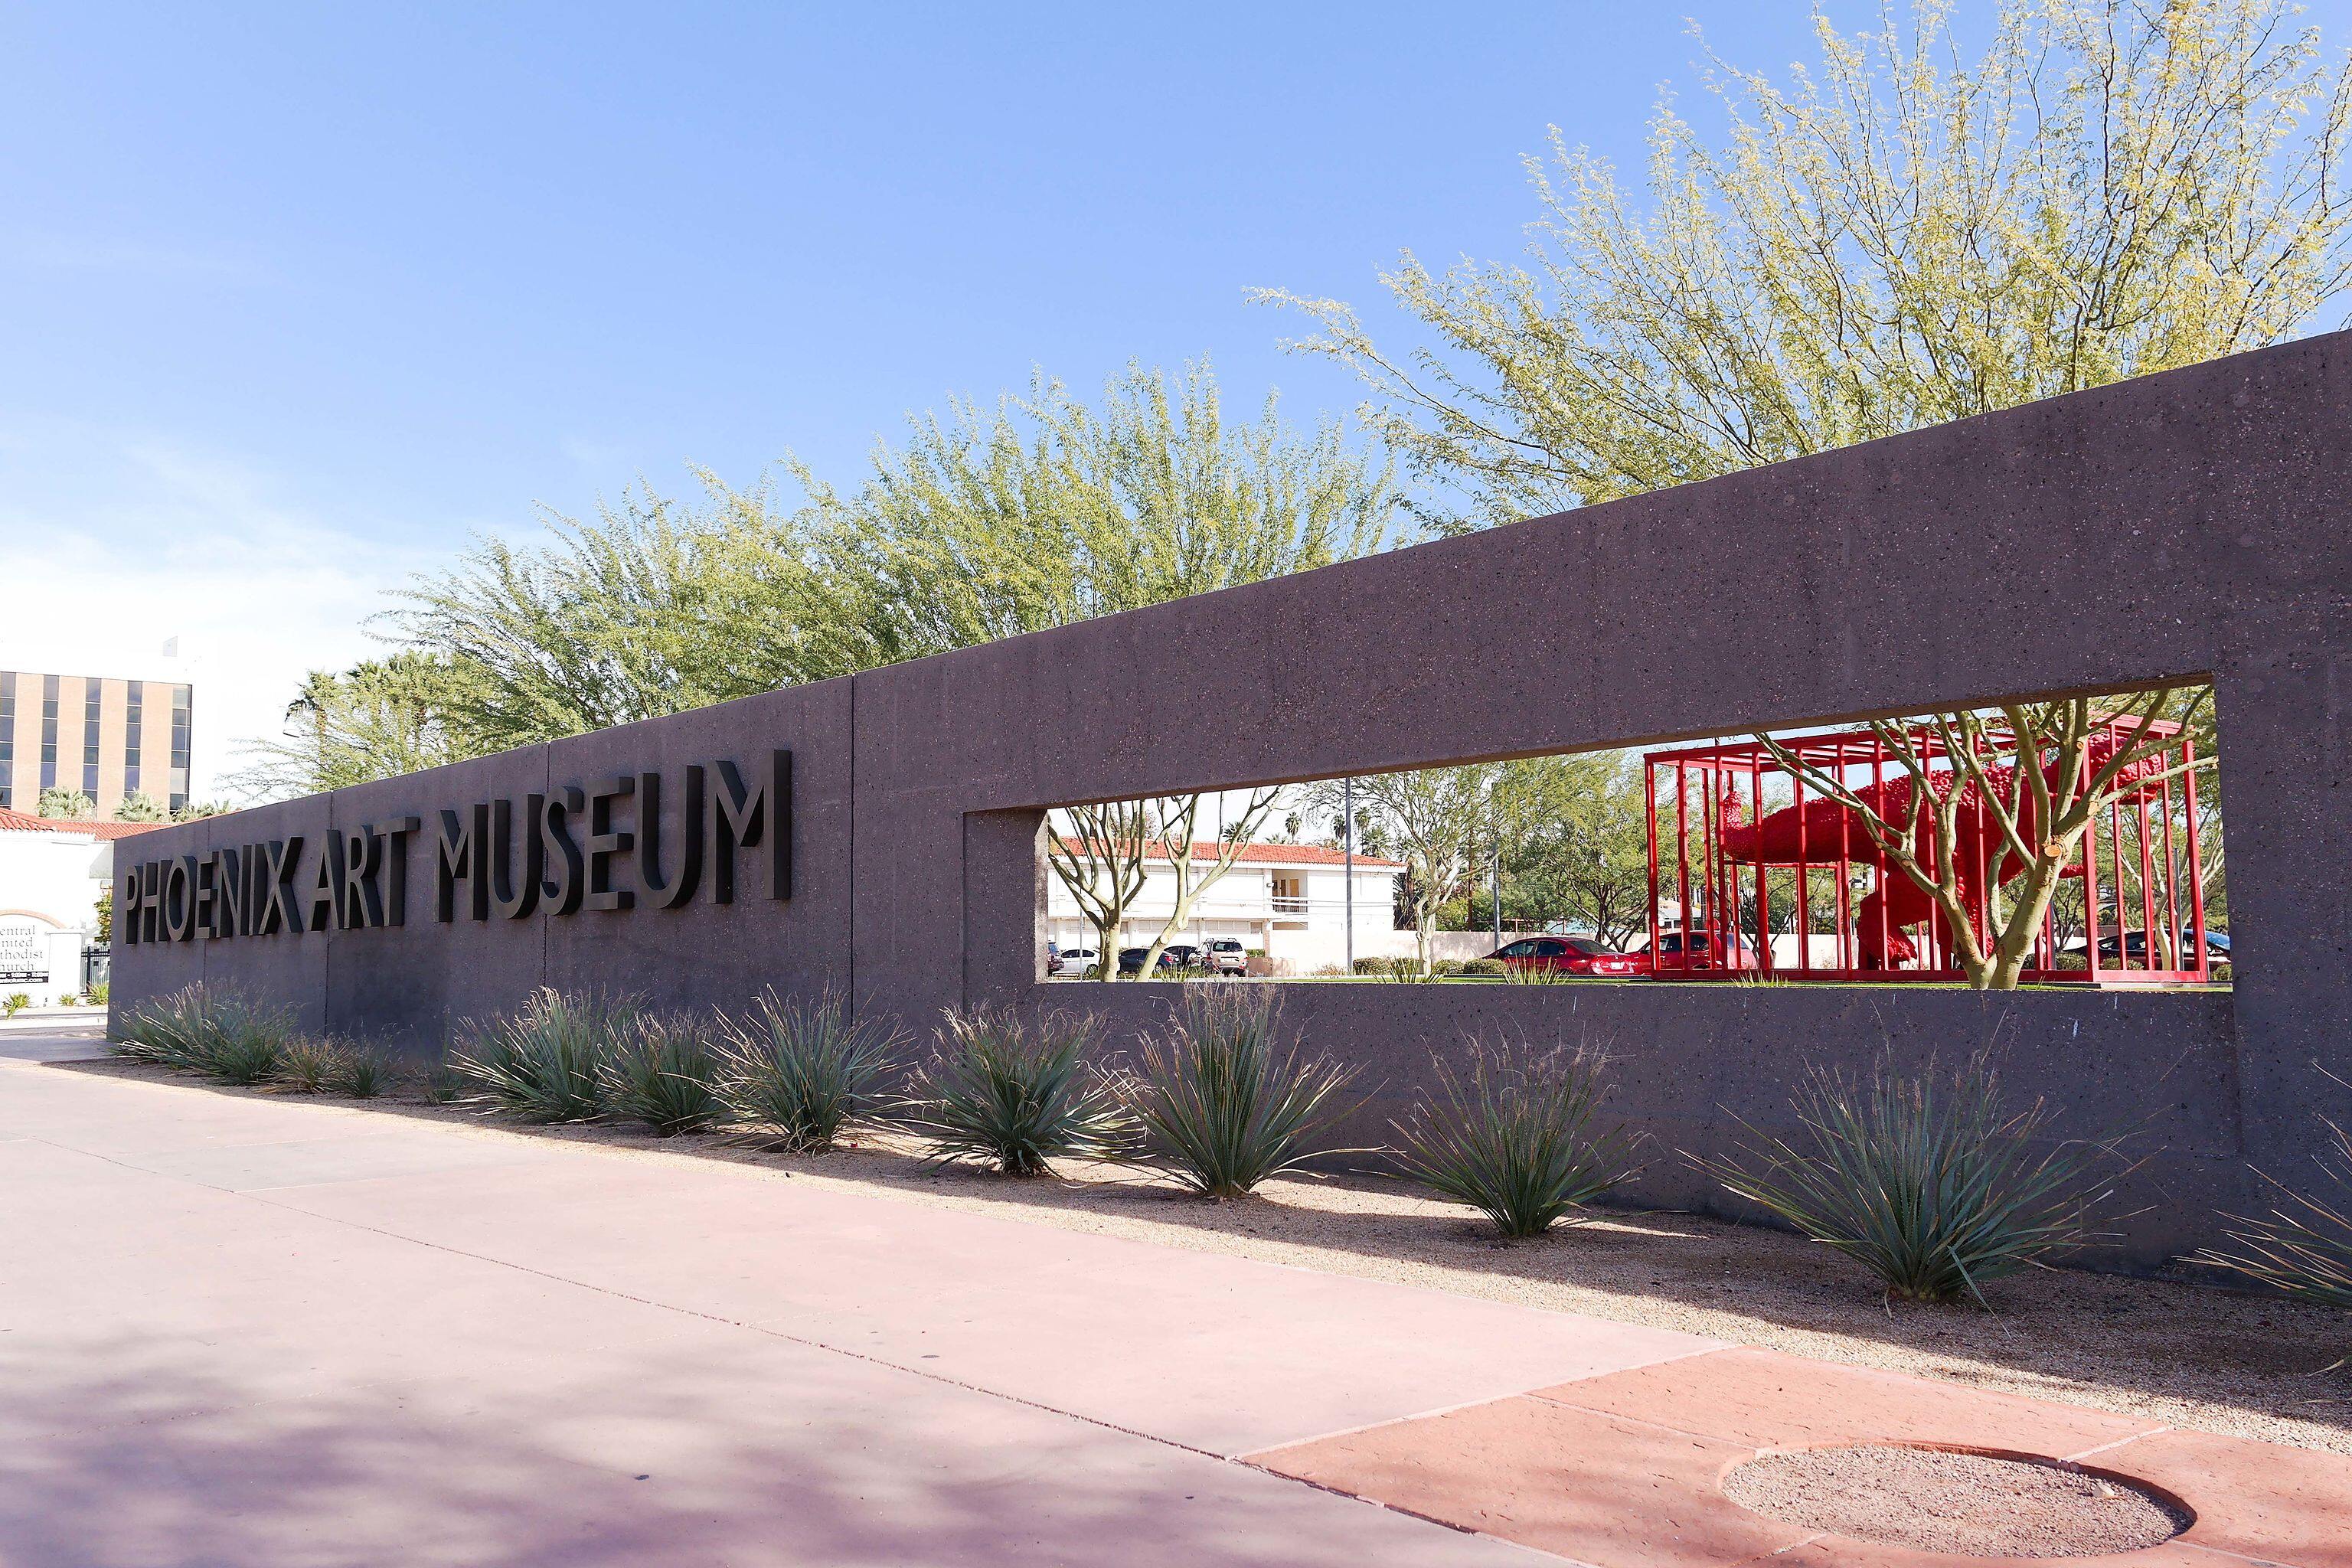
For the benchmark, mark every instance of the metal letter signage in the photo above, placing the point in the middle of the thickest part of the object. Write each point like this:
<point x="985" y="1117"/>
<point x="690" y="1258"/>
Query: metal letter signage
<point x="609" y="847"/>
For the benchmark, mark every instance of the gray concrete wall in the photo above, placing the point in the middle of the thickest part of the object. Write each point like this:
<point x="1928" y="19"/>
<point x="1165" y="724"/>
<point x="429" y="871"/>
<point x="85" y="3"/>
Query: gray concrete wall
<point x="2187" y="524"/>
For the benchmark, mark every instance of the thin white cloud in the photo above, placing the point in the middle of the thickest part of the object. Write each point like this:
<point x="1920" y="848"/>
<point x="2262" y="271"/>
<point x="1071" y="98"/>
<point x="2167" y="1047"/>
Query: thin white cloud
<point x="174" y="544"/>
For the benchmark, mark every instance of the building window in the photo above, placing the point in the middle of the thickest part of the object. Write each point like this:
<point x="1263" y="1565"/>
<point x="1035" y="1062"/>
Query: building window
<point x="1289" y="895"/>
<point x="89" y="739"/>
<point x="133" y="710"/>
<point x="7" y="736"/>
<point x="48" y="732"/>
<point x="180" y="726"/>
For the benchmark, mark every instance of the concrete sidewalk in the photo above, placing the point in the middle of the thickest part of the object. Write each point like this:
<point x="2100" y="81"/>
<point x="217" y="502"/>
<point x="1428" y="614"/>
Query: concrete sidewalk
<point x="262" y="1332"/>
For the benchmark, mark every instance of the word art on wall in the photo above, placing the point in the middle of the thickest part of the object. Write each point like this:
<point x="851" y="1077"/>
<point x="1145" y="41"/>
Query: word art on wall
<point x="554" y="854"/>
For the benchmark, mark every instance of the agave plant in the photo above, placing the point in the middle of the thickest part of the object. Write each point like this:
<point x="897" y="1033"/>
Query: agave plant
<point x="542" y="1062"/>
<point x="201" y="1029"/>
<point x="359" y="1071"/>
<point x="306" y="1063"/>
<point x="794" y="1074"/>
<point x="1223" y="1104"/>
<point x="1934" y="1190"/>
<point x="659" y="1072"/>
<point x="2303" y="1248"/>
<point x="1515" y="1137"/>
<point x="1019" y="1095"/>
<point x="441" y="1083"/>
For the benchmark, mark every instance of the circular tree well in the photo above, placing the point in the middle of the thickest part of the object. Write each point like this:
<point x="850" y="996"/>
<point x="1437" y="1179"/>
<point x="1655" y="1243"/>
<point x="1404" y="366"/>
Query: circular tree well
<point x="1936" y="1500"/>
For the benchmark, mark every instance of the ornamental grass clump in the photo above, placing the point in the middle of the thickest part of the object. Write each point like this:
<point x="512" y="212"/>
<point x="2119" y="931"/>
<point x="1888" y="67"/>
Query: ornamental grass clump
<point x="1018" y="1095"/>
<point x="542" y="1062"/>
<point x="2303" y="1248"/>
<point x="359" y="1071"/>
<point x="1936" y="1189"/>
<point x="200" y="1029"/>
<point x="1224" y="1104"/>
<point x="792" y="1075"/>
<point x="661" y="1071"/>
<point x="306" y="1063"/>
<point x="1515" y="1136"/>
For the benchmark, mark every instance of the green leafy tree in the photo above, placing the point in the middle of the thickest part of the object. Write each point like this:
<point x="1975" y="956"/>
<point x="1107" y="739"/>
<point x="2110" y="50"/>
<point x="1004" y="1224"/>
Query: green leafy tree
<point x="1575" y="844"/>
<point x="1890" y="239"/>
<point x="654" y="607"/>
<point x="1436" y="821"/>
<point x="1046" y="509"/>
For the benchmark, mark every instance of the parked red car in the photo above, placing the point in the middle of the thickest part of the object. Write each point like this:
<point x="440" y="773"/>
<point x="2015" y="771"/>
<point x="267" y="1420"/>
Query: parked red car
<point x="1706" y="955"/>
<point x="1567" y="955"/>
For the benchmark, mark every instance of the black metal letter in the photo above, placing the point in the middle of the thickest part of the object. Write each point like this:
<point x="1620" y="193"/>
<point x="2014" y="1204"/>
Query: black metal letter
<point x="514" y="890"/>
<point x="564" y="872"/>
<point x="670" y="892"/>
<point x="463" y="848"/>
<point x="604" y="842"/>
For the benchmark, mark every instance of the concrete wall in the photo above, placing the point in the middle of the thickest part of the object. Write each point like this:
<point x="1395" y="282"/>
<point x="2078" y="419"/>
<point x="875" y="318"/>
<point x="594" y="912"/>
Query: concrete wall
<point x="2189" y="524"/>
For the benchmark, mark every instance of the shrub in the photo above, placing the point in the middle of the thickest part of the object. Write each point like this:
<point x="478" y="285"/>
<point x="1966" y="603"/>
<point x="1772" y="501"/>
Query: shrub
<point x="1410" y="972"/>
<point x="1019" y="1095"/>
<point x="1484" y="966"/>
<point x="1515" y="1137"/>
<point x="441" y="1083"/>
<point x="659" y="1072"/>
<point x="1535" y="974"/>
<point x="361" y="1072"/>
<point x="100" y="993"/>
<point x="1222" y="1107"/>
<point x="68" y="1000"/>
<point x="198" y="1029"/>
<point x="247" y="1048"/>
<point x="305" y="1064"/>
<point x="542" y="1062"/>
<point x="2222" y="973"/>
<point x="1934" y="1193"/>
<point x="2301" y="1248"/>
<point x="1373" y="965"/>
<point x="14" y="1003"/>
<point x="794" y="1074"/>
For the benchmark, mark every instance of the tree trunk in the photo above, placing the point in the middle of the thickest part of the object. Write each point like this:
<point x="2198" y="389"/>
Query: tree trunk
<point x="2035" y="887"/>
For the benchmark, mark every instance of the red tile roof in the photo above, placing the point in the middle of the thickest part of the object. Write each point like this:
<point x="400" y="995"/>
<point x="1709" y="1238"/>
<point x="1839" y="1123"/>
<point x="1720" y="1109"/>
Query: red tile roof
<point x="13" y="821"/>
<point x="1205" y="851"/>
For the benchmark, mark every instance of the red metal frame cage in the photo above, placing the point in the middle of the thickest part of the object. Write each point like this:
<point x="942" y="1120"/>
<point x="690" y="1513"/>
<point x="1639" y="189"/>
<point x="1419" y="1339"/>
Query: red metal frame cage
<point x="1692" y="869"/>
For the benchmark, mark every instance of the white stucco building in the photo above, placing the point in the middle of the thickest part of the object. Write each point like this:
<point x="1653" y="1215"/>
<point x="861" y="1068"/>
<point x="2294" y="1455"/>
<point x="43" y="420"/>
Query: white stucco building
<point x="51" y="873"/>
<point x="1288" y="901"/>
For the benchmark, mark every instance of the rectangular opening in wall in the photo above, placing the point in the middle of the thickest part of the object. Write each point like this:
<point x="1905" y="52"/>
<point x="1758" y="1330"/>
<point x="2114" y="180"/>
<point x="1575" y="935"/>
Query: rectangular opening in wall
<point x="2075" y="841"/>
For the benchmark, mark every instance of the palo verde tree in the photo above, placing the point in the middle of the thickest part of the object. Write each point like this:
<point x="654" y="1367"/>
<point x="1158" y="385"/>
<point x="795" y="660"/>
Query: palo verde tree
<point x="1048" y="510"/>
<point x="1890" y="239"/>
<point x="2038" y="775"/>
<point x="1100" y="852"/>
<point x="1435" y="821"/>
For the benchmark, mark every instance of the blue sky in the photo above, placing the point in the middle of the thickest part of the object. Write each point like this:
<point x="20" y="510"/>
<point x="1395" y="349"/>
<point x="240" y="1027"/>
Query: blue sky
<point x="293" y="299"/>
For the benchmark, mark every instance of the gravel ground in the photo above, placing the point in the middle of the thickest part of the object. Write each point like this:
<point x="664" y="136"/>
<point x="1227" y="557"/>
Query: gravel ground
<point x="1970" y="1503"/>
<point x="2180" y="1354"/>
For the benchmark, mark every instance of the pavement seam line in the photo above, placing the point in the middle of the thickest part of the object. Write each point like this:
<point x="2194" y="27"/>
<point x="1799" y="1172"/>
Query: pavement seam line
<point x="253" y="1196"/>
<point x="1251" y="1455"/>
